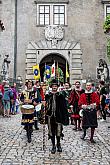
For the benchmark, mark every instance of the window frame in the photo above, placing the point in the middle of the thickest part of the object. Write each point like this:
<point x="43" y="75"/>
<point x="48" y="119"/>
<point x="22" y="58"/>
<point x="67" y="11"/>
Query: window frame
<point x="51" y="16"/>
<point x="44" y="14"/>
<point x="105" y="10"/>
<point x="58" y="15"/>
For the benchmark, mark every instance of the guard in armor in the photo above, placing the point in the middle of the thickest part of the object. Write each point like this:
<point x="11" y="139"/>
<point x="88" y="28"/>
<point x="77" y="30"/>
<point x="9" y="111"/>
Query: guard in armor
<point x="57" y="115"/>
<point x="88" y="103"/>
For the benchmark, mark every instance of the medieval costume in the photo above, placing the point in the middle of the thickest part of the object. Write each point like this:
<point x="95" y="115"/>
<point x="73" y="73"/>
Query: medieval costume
<point x="89" y="101"/>
<point x="73" y="101"/>
<point x="57" y="116"/>
<point x="66" y="94"/>
<point x="103" y="94"/>
<point x="31" y="96"/>
<point x="26" y="98"/>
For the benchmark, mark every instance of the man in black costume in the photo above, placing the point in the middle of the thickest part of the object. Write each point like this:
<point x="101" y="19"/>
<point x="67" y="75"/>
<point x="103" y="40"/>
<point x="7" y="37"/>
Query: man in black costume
<point x="57" y="115"/>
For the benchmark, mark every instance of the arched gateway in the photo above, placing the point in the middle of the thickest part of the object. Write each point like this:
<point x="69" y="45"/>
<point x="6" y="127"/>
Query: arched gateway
<point x="60" y="62"/>
<point x="55" y="48"/>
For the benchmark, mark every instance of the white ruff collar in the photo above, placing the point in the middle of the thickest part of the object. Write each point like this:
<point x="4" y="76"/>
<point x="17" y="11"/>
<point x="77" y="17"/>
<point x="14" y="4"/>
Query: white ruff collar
<point x="78" y="89"/>
<point x="67" y="89"/>
<point x="88" y="91"/>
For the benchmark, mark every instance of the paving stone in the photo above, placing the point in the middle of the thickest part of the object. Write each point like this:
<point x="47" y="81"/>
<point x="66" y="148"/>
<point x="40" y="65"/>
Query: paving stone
<point x="15" y="150"/>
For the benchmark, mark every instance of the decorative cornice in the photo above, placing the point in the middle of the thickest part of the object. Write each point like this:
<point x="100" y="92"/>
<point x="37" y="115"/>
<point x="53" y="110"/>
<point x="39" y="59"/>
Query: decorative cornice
<point x="46" y="45"/>
<point x="51" y="1"/>
<point x="105" y="1"/>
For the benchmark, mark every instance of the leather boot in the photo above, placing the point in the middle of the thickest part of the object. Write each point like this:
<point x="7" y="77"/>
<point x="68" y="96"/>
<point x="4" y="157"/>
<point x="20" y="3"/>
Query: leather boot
<point x="36" y="125"/>
<point x="75" y="128"/>
<point x="79" y="122"/>
<point x="92" y="134"/>
<point x="83" y="136"/>
<point x="59" y="149"/>
<point x="53" y="150"/>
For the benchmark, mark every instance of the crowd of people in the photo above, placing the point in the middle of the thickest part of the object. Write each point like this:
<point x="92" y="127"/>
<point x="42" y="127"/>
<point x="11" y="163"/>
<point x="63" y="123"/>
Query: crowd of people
<point x="9" y="99"/>
<point x="63" y="105"/>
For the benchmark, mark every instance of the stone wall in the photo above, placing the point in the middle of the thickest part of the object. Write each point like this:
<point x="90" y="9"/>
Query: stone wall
<point x="85" y="25"/>
<point x="7" y="36"/>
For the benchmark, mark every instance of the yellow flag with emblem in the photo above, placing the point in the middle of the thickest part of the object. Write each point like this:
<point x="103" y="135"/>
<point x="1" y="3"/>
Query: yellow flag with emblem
<point x="36" y="72"/>
<point x="67" y="74"/>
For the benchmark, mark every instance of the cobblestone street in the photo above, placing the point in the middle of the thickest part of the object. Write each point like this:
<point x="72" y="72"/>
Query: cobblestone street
<point x="14" y="149"/>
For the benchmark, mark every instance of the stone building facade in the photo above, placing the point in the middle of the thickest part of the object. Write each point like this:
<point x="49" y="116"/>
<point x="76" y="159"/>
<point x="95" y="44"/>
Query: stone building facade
<point x="73" y="34"/>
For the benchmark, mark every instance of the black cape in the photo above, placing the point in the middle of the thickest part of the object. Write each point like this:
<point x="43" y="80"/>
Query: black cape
<point x="61" y="112"/>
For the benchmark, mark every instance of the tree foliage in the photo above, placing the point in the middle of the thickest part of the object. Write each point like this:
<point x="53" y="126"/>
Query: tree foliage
<point x="108" y="49"/>
<point x="107" y="24"/>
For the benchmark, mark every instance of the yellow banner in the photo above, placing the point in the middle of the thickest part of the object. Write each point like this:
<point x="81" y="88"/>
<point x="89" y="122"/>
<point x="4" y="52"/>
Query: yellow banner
<point x="36" y="72"/>
<point x="67" y="74"/>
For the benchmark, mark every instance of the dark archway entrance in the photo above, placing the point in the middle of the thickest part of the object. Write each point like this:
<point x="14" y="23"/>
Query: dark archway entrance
<point x="49" y="60"/>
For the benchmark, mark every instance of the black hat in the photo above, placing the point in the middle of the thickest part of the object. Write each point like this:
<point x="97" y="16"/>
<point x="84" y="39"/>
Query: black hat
<point x="54" y="82"/>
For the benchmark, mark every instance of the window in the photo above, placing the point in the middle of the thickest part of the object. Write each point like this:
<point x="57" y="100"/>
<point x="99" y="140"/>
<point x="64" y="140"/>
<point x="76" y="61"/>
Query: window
<point x="106" y="10"/>
<point x="44" y="15"/>
<point x="51" y="14"/>
<point x="59" y="15"/>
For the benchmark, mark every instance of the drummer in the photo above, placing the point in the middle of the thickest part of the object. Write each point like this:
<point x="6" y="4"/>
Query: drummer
<point x="26" y="98"/>
<point x="28" y="93"/>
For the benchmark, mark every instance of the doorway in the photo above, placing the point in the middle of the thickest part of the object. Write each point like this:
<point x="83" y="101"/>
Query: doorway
<point x="60" y="62"/>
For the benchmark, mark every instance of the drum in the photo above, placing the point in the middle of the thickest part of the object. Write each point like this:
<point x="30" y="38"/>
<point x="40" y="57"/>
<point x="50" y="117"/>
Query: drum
<point x="27" y="109"/>
<point x="27" y="114"/>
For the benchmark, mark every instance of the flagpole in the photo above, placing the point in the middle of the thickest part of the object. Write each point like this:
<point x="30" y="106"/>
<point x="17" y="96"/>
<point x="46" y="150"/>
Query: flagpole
<point x="66" y="71"/>
<point x="40" y="74"/>
<point x="45" y="73"/>
<point x="54" y="63"/>
<point x="58" y="72"/>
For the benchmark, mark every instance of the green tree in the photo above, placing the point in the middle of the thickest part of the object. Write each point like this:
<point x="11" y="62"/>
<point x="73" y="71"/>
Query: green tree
<point x="106" y="25"/>
<point x="108" y="49"/>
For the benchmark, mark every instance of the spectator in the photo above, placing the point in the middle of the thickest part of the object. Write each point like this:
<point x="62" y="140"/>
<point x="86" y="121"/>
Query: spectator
<point x="1" y="102"/>
<point x="6" y="99"/>
<point x="103" y="94"/>
<point x="13" y="98"/>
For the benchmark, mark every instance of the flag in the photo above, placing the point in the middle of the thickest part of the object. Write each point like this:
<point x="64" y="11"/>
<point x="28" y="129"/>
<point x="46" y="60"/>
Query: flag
<point x="47" y="72"/>
<point x="53" y="70"/>
<point x="58" y="72"/>
<point x="36" y="72"/>
<point x="67" y="74"/>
